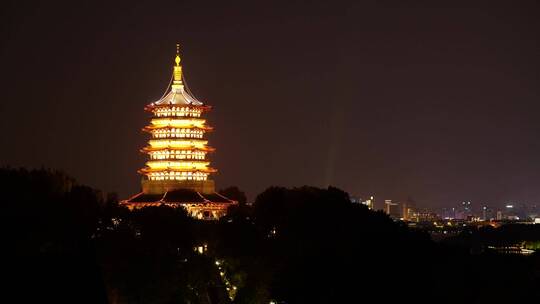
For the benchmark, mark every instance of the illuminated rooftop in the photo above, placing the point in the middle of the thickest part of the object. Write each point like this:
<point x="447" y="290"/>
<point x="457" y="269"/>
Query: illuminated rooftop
<point x="179" y="93"/>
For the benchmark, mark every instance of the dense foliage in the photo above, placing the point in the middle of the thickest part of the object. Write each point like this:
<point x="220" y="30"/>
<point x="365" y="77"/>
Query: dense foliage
<point x="301" y="245"/>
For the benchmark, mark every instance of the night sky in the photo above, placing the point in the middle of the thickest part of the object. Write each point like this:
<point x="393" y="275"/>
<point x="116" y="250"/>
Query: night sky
<point x="437" y="103"/>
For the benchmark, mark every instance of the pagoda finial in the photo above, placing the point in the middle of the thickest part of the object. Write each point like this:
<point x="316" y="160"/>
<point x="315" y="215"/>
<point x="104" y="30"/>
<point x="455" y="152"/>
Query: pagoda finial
<point x="177" y="59"/>
<point x="177" y="71"/>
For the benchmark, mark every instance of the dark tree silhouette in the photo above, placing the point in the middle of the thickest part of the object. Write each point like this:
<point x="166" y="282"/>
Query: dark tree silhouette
<point x="302" y="245"/>
<point x="234" y="193"/>
<point x="49" y="221"/>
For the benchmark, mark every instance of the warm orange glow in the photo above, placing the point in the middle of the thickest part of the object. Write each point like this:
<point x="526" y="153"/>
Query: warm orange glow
<point x="196" y="165"/>
<point x="176" y="143"/>
<point x="177" y="111"/>
<point x="176" y="175"/>
<point x="179" y="123"/>
<point x="177" y="149"/>
<point x="177" y="156"/>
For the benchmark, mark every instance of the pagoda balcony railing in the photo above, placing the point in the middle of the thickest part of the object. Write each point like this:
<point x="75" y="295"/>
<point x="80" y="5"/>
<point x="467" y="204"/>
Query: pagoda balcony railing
<point x="177" y="115"/>
<point x="176" y="136"/>
<point x="177" y="157"/>
<point x="169" y="127"/>
<point x="152" y="107"/>
<point x="147" y="170"/>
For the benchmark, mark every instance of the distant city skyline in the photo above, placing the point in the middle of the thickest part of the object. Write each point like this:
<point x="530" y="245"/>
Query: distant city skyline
<point x="459" y="210"/>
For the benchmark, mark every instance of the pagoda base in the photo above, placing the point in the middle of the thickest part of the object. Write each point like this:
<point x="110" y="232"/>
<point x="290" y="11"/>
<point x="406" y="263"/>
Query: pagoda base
<point x="162" y="186"/>
<point x="204" y="206"/>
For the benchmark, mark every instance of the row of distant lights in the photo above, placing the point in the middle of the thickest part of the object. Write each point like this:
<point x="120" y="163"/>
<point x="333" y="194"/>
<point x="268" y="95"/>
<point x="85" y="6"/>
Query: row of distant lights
<point x="509" y="206"/>
<point x="231" y="289"/>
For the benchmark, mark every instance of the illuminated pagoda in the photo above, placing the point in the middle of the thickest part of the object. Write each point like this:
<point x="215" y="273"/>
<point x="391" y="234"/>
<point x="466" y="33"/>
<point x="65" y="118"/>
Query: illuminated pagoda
<point x="177" y="172"/>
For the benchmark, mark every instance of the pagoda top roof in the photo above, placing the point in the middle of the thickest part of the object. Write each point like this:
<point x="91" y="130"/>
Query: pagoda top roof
<point x="177" y="97"/>
<point x="179" y="93"/>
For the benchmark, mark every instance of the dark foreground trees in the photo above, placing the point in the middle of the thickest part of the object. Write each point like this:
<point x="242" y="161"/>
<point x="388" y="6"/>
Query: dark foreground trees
<point x="301" y="245"/>
<point x="47" y="226"/>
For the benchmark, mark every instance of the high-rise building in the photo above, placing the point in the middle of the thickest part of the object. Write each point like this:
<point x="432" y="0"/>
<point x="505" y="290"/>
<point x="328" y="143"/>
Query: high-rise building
<point x="408" y="208"/>
<point x="369" y="203"/>
<point x="392" y="209"/>
<point x="466" y="210"/>
<point x="511" y="212"/>
<point x="449" y="213"/>
<point x="177" y="171"/>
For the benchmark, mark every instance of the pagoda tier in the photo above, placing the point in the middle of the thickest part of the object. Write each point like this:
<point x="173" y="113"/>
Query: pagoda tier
<point x="175" y="132"/>
<point x="173" y="154"/>
<point x="171" y="174"/>
<point x="177" y="143"/>
<point x="175" y="150"/>
<point x="166" y="110"/>
<point x="177" y="172"/>
<point x="181" y="123"/>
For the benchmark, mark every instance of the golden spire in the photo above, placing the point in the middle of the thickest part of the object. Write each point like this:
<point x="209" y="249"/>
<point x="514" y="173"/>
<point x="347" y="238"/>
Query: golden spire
<point x="177" y="59"/>
<point x="177" y="71"/>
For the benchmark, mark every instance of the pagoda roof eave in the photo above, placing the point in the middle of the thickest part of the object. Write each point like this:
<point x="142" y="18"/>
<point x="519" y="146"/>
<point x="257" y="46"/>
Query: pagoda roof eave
<point x="152" y="106"/>
<point x="177" y="97"/>
<point x="170" y="169"/>
<point x="150" y="149"/>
